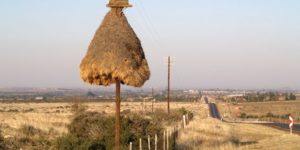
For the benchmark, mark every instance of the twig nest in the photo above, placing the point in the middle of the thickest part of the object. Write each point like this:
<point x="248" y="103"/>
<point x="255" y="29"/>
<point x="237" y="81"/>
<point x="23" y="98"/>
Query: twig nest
<point x="115" y="53"/>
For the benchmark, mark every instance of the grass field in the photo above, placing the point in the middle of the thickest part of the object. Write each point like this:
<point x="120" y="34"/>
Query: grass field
<point x="56" y="116"/>
<point x="276" y="108"/>
<point x="202" y="132"/>
<point x="208" y="133"/>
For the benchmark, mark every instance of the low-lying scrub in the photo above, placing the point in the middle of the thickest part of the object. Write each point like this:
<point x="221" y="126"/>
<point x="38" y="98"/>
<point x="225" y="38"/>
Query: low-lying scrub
<point x="28" y="137"/>
<point x="267" y="117"/>
<point x="2" y="142"/>
<point x="92" y="130"/>
<point x="96" y="131"/>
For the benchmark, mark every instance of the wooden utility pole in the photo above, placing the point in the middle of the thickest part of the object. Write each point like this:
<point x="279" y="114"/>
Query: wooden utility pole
<point x="118" y="117"/>
<point x="118" y="5"/>
<point x="169" y="71"/>
<point x="152" y="100"/>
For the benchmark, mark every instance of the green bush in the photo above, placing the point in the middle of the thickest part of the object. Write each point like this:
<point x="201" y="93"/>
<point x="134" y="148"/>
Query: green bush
<point x="183" y="111"/>
<point x="175" y="116"/>
<point x="92" y="130"/>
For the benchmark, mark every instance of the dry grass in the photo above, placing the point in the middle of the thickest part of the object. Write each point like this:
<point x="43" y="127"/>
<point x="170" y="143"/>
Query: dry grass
<point x="262" y="108"/>
<point x="56" y="116"/>
<point x="202" y="133"/>
<point x="208" y="133"/>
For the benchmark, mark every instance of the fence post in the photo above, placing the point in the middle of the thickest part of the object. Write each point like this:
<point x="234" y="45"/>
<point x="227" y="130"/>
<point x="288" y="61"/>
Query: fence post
<point x="187" y="119"/>
<point x="184" y="121"/>
<point x="155" y="141"/>
<point x="130" y="146"/>
<point x="164" y="147"/>
<point x="149" y="147"/>
<point x="140" y="143"/>
<point x="168" y="133"/>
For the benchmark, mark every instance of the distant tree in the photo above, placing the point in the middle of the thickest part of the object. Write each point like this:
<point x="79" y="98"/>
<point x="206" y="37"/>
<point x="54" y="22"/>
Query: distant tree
<point x="292" y="96"/>
<point x="90" y="94"/>
<point x="261" y="97"/>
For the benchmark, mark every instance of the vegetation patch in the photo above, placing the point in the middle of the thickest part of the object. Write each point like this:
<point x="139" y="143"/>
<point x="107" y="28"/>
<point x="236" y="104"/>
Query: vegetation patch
<point x="93" y="130"/>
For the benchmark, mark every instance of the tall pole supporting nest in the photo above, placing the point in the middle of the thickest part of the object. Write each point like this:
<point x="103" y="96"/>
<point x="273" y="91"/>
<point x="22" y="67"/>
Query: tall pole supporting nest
<point x="108" y="61"/>
<point x="118" y="117"/>
<point x="118" y="6"/>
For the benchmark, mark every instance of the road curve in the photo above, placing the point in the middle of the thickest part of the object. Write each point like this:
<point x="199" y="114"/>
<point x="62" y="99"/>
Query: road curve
<point x="214" y="113"/>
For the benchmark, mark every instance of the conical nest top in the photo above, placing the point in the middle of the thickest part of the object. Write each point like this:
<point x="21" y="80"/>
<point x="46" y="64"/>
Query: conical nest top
<point x="115" y="53"/>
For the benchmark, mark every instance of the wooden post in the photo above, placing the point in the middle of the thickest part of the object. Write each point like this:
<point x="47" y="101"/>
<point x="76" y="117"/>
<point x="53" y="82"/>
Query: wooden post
<point x="130" y="146"/>
<point x="141" y="147"/>
<point x="155" y="141"/>
<point x="152" y="100"/>
<point x="168" y="134"/>
<point x="149" y="147"/>
<point x="184" y="122"/>
<point x="118" y="117"/>
<point x="169" y="61"/>
<point x="164" y="147"/>
<point x="187" y="119"/>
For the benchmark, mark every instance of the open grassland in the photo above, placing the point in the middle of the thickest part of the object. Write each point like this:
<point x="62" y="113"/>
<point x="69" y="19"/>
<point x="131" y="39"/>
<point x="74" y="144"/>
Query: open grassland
<point x="268" y="111"/>
<point x="56" y="116"/>
<point x="202" y="132"/>
<point x="207" y="133"/>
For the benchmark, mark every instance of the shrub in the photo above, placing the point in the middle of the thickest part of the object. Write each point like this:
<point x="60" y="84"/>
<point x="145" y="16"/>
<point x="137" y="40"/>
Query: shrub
<point x="175" y="115"/>
<point x="28" y="138"/>
<point x="183" y="111"/>
<point x="29" y="130"/>
<point x="78" y="107"/>
<point x="2" y="142"/>
<point x="243" y="115"/>
<point x="269" y="115"/>
<point x="93" y="130"/>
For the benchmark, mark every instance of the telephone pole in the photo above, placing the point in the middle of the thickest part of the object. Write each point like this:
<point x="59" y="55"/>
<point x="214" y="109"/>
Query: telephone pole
<point x="169" y="76"/>
<point x="152" y="100"/>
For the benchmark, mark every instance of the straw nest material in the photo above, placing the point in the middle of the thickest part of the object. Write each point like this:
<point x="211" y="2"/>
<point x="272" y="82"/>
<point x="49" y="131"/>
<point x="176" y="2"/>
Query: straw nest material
<point x="115" y="53"/>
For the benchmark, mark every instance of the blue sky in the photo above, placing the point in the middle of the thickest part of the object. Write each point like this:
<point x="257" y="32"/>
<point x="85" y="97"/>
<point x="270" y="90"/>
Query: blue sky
<point x="216" y="43"/>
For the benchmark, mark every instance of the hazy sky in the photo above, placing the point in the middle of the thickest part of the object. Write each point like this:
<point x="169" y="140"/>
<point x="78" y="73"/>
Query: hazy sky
<point x="216" y="43"/>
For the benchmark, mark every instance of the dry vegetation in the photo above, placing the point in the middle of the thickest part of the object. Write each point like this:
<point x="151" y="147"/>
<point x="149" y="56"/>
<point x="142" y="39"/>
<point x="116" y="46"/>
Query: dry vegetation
<point x="259" y="109"/>
<point x="208" y="133"/>
<point x="49" y="120"/>
<point x="56" y="116"/>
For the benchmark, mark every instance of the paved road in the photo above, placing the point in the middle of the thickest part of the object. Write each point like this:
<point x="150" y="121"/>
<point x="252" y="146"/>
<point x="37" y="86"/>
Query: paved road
<point x="284" y="126"/>
<point x="213" y="110"/>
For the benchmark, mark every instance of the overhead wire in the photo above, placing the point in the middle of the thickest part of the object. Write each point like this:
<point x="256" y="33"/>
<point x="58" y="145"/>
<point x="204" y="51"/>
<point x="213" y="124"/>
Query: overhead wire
<point x="148" y="24"/>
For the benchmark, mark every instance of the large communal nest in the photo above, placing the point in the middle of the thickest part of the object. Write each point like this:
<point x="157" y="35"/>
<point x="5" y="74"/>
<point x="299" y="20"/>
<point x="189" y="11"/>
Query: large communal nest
<point x="115" y="53"/>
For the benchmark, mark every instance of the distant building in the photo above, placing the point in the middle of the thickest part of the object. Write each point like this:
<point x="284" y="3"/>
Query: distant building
<point x="39" y="98"/>
<point x="235" y="95"/>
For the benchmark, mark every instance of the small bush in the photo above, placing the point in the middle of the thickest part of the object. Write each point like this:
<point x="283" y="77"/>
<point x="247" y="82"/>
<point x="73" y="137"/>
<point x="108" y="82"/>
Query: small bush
<point x="183" y="111"/>
<point x="243" y="115"/>
<point x="78" y="107"/>
<point x="2" y="142"/>
<point x="269" y="115"/>
<point x="29" y="130"/>
<point x="29" y="138"/>
<point x="175" y="115"/>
